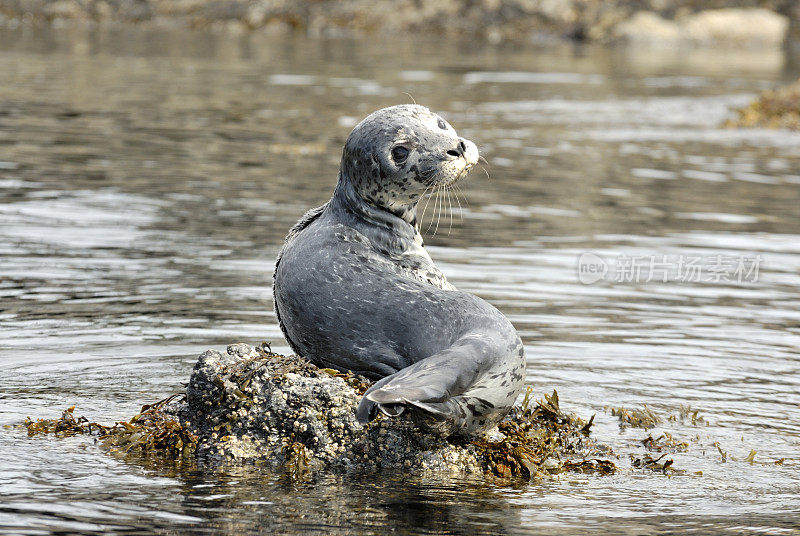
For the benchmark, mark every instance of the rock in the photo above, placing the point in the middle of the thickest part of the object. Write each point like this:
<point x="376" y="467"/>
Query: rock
<point x="251" y="404"/>
<point x="648" y="28"/>
<point x="741" y="27"/>
<point x="651" y="22"/>
<point x="752" y="27"/>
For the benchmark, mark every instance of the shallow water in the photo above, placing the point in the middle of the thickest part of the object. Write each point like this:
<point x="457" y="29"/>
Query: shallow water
<point x="147" y="179"/>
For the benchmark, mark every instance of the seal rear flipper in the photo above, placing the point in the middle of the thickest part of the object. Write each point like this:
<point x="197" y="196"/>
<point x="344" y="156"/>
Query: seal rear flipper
<point x="430" y="385"/>
<point x="440" y="418"/>
<point x="399" y="393"/>
<point x="367" y="410"/>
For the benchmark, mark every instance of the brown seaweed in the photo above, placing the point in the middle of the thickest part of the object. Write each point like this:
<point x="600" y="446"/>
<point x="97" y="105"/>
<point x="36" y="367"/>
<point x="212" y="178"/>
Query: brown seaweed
<point x="687" y="412"/>
<point x="664" y="442"/>
<point x="66" y="426"/>
<point x="151" y="430"/>
<point x="778" y="108"/>
<point x="535" y="439"/>
<point x="296" y="461"/>
<point x="722" y="453"/>
<point x="655" y="464"/>
<point x="637" y="418"/>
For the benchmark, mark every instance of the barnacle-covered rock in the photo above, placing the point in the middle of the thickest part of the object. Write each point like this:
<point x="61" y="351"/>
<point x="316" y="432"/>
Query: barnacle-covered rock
<point x="254" y="404"/>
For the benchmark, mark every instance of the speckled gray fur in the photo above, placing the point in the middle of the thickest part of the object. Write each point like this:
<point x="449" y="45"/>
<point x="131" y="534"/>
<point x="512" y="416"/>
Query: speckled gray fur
<point x="355" y="289"/>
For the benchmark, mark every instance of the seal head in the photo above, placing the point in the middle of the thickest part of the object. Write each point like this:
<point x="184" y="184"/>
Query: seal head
<point x="396" y="155"/>
<point x="355" y="289"/>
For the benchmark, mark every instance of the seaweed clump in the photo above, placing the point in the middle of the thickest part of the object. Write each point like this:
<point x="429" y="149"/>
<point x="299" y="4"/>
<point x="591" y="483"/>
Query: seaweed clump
<point x="637" y="418"/>
<point x="66" y="426"/>
<point x="654" y="464"/>
<point x="536" y="439"/>
<point x="152" y="430"/>
<point x="778" y="108"/>
<point x="664" y="443"/>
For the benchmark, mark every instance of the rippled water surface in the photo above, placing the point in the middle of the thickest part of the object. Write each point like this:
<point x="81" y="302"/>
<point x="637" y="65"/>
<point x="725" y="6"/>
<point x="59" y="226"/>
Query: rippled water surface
<point x="147" y="180"/>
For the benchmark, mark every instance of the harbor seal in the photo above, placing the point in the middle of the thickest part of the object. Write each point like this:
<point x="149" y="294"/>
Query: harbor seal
<point x="355" y="290"/>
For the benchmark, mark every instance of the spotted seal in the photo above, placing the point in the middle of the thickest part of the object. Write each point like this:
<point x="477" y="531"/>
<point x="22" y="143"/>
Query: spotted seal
<point x="355" y="290"/>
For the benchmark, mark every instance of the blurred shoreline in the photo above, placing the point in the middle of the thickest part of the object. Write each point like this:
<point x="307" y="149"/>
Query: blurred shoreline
<point x="741" y="24"/>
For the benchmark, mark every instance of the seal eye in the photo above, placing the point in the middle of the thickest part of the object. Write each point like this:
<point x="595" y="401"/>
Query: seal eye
<point x="399" y="154"/>
<point x="442" y="124"/>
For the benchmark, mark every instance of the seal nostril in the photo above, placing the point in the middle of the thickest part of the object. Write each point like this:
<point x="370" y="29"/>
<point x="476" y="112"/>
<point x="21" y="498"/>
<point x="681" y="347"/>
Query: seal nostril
<point x="460" y="149"/>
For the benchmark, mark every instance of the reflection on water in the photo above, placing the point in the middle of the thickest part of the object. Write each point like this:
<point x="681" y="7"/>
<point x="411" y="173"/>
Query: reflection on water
<point x="147" y="180"/>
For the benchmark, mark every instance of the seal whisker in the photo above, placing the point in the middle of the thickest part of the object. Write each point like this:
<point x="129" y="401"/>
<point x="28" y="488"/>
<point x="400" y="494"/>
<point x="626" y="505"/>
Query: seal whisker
<point x="439" y="208"/>
<point x="417" y="220"/>
<point x="460" y="210"/>
<point x="443" y="195"/>
<point x="464" y="195"/>
<point x="440" y="205"/>
<point x="488" y="165"/>
<point x="445" y="198"/>
<point x="433" y="211"/>
<point x="449" y="209"/>
<point x="427" y="190"/>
